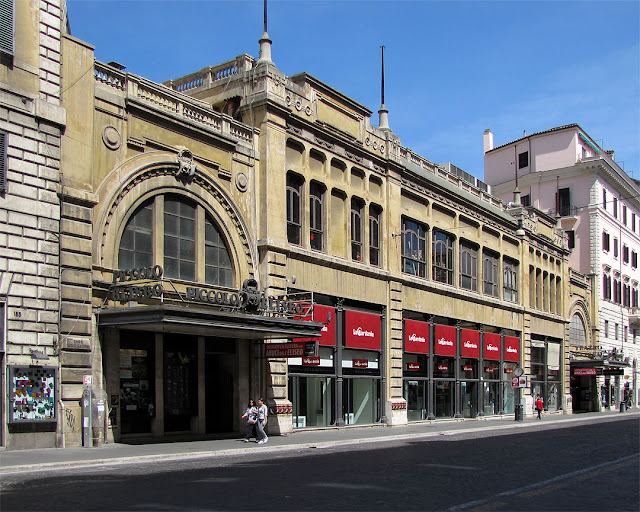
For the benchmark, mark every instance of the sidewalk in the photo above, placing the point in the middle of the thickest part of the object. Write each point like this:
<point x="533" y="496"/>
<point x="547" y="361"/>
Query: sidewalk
<point x="119" y="453"/>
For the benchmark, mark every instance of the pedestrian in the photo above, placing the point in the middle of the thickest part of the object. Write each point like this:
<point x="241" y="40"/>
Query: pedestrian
<point x="261" y="438"/>
<point x="251" y="414"/>
<point x="539" y="406"/>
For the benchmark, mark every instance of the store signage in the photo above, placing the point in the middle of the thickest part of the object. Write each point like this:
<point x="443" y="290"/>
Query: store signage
<point x="470" y="343"/>
<point x="311" y="361"/>
<point x="413" y="366"/>
<point x="518" y="382"/>
<point x="489" y="369"/>
<point x="492" y="346"/>
<point x="442" y="367"/>
<point x="360" y="363"/>
<point x="248" y="299"/>
<point x="416" y="337"/>
<point x="508" y="370"/>
<point x="328" y="331"/>
<point x="585" y="371"/>
<point x="445" y="344"/>
<point x="362" y="330"/>
<point x="284" y="349"/>
<point x="467" y="368"/>
<point x="511" y="348"/>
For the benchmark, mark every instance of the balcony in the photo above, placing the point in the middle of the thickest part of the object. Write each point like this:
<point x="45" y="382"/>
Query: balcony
<point x="634" y="318"/>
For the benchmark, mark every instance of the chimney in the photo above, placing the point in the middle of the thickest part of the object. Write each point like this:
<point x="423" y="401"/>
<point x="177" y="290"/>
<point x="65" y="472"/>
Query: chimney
<point x="610" y="153"/>
<point x="488" y="140"/>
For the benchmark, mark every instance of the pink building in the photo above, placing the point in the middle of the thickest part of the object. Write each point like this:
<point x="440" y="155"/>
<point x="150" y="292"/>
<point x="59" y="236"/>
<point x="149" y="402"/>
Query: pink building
<point x="563" y="171"/>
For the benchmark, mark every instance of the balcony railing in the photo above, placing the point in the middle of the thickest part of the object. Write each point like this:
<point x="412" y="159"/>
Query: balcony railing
<point x="207" y="77"/>
<point x="164" y="99"/>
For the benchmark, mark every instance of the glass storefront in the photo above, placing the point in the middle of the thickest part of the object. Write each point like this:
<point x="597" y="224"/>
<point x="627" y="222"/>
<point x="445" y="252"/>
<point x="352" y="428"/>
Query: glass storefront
<point x="509" y="393"/>
<point x="469" y="399"/>
<point x="490" y="405"/>
<point x="137" y="379"/>
<point x="545" y="372"/>
<point x="312" y="399"/>
<point x="444" y="392"/>
<point x="360" y="401"/>
<point x="415" y="392"/>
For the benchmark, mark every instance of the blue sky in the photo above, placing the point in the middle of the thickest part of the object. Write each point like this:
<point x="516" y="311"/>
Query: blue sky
<point x="452" y="68"/>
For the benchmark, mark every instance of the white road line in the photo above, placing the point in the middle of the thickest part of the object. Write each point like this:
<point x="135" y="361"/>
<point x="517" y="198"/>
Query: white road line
<point x="543" y="483"/>
<point x="446" y="466"/>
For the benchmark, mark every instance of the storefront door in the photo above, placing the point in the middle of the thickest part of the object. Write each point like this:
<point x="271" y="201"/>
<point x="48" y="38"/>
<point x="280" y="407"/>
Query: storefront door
<point x="312" y="401"/>
<point x="415" y="392"/>
<point x="469" y="399"/>
<point x="360" y="401"/>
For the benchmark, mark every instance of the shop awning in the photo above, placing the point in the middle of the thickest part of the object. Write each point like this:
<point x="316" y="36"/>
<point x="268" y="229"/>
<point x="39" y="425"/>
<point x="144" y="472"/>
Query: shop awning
<point x="205" y="322"/>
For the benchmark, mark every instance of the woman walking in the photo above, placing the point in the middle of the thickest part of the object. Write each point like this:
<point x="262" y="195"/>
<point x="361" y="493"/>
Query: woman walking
<point x="251" y="414"/>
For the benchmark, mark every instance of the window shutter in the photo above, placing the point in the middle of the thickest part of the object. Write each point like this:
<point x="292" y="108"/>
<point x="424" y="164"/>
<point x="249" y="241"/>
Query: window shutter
<point x="6" y="26"/>
<point x="3" y="161"/>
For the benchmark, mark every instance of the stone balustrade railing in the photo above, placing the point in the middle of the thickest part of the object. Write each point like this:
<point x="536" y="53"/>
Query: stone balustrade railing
<point x="209" y="75"/>
<point x="163" y="98"/>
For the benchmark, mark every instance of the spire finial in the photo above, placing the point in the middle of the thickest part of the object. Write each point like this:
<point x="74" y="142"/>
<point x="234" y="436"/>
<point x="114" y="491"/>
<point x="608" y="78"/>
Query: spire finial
<point x="383" y="113"/>
<point x="265" y="42"/>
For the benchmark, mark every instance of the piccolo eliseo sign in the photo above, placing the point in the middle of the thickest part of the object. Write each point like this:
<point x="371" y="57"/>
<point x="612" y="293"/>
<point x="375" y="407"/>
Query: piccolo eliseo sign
<point x="126" y="287"/>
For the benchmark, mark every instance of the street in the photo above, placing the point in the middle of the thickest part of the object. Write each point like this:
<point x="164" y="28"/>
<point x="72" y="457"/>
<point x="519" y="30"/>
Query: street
<point x="546" y="469"/>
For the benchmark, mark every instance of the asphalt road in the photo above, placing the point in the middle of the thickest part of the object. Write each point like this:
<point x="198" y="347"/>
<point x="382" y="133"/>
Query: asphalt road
<point x="586" y="467"/>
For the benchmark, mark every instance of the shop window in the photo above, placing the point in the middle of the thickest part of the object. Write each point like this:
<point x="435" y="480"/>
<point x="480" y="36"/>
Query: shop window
<point x="523" y="160"/>
<point x="32" y="394"/>
<point x="294" y="214"/>
<point x="490" y="273"/>
<point x="6" y="27"/>
<point x="577" y="331"/>
<point x="3" y="161"/>
<point x="177" y="232"/>
<point x="468" y="266"/>
<point x="414" y="256"/>
<point x="374" y="234"/>
<point x="357" y="212"/>
<point x="510" y="280"/>
<point x="316" y="216"/>
<point x="442" y="257"/>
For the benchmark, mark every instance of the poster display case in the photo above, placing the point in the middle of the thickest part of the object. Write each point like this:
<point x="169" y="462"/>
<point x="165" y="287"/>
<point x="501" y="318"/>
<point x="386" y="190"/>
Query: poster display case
<point x="32" y="394"/>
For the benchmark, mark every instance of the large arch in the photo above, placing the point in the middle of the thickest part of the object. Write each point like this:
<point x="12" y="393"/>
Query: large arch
<point x="151" y="174"/>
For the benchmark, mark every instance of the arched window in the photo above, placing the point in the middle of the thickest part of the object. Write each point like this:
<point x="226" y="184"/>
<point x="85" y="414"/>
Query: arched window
<point x="187" y="256"/>
<point x="577" y="331"/>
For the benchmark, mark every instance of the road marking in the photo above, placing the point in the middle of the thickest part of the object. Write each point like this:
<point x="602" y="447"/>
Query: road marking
<point x="353" y="487"/>
<point x="447" y="466"/>
<point x="215" y="480"/>
<point x="543" y="483"/>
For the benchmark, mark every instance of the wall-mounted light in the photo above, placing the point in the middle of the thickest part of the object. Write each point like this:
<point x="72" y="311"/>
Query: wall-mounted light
<point x="38" y="354"/>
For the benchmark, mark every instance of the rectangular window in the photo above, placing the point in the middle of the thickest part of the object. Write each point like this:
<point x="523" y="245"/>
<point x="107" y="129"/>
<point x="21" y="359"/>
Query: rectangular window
<point x="606" y="328"/>
<point x="442" y="257"/>
<point x="316" y="216"/>
<point x="179" y="239"/>
<point x="626" y="296"/>
<point x="490" y="273"/>
<point x="523" y="160"/>
<point x="374" y="235"/>
<point x="564" y="202"/>
<point x="615" y="207"/>
<point x="7" y="16"/>
<point x="633" y="222"/>
<point x="615" y="247"/>
<point x="634" y="259"/>
<point x="606" y="286"/>
<point x="605" y="241"/>
<point x="625" y="254"/>
<point x="526" y="200"/>
<point x="357" y="212"/>
<point x="634" y="297"/>
<point x="624" y="214"/>
<point x="571" y="238"/>
<point x="468" y="267"/>
<point x="294" y="216"/>
<point x="414" y="254"/>
<point x="604" y="199"/>
<point x="616" y="331"/>
<point x="510" y="280"/>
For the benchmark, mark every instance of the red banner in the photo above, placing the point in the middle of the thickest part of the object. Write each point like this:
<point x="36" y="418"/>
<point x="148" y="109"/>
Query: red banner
<point x="311" y="361"/>
<point x="470" y="343"/>
<point x="416" y="337"/>
<point x="492" y="346"/>
<point x="585" y="371"/>
<point x="360" y="363"/>
<point x="511" y="348"/>
<point x="320" y="314"/>
<point x="362" y="330"/>
<point x="445" y="344"/>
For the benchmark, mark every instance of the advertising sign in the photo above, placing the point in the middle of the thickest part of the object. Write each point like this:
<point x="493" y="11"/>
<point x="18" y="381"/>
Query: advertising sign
<point x="362" y="330"/>
<point x="470" y="343"/>
<point x="585" y="371"/>
<point x="320" y="314"/>
<point x="511" y="348"/>
<point x="284" y="349"/>
<point x="416" y="337"/>
<point x="445" y="344"/>
<point x="492" y="346"/>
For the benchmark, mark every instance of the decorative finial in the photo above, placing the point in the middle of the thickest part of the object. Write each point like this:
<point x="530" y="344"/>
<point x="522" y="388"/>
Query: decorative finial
<point x="383" y="113"/>
<point x="265" y="42"/>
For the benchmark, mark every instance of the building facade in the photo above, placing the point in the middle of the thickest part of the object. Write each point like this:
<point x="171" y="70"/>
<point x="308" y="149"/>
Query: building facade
<point x="238" y="233"/>
<point x="564" y="172"/>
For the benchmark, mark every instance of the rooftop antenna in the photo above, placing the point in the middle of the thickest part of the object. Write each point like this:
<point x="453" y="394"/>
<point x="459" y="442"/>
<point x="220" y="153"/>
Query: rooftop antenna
<point x="383" y="113"/>
<point x="265" y="42"/>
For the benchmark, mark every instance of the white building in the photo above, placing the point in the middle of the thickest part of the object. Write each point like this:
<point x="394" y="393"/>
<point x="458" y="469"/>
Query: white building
<point x="565" y="172"/>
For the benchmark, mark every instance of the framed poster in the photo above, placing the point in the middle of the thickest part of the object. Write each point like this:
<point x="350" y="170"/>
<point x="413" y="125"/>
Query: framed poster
<point x="32" y="394"/>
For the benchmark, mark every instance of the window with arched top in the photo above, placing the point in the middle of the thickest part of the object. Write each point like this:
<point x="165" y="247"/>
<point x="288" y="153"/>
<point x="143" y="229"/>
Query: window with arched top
<point x="171" y="224"/>
<point x="577" y="331"/>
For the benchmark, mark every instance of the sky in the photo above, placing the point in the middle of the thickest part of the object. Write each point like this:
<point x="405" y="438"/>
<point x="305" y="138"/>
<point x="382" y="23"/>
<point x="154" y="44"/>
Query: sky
<point x="453" y="68"/>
